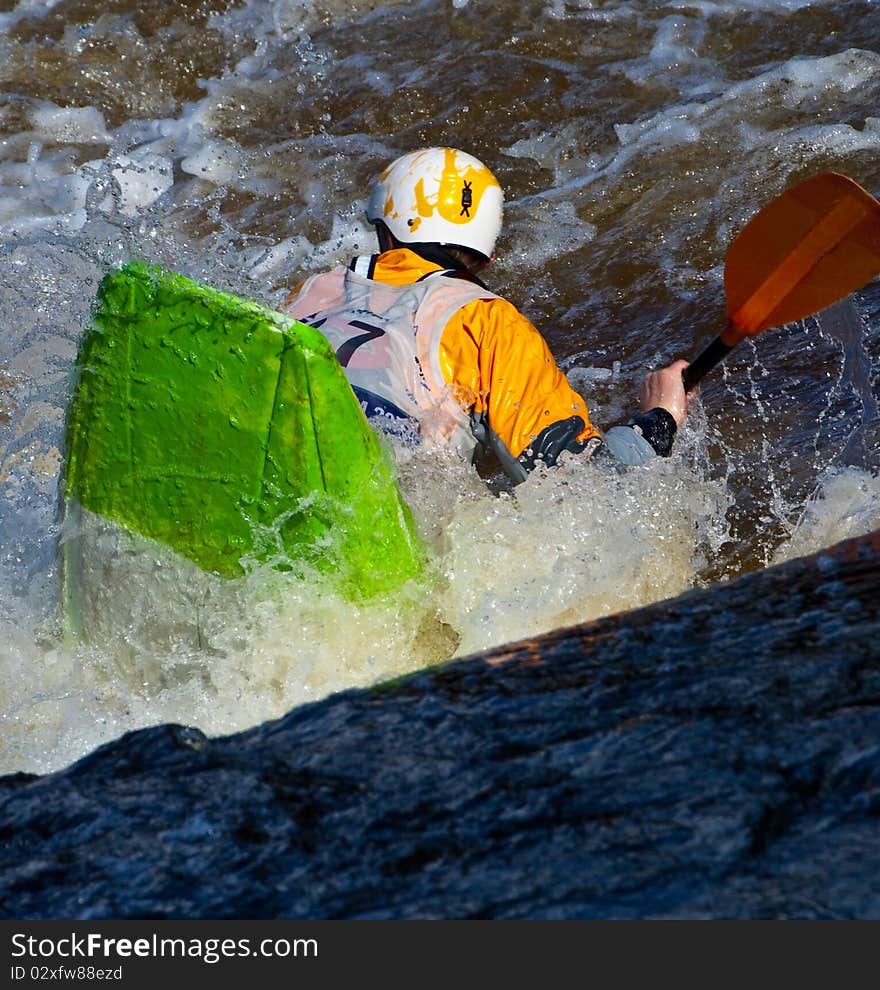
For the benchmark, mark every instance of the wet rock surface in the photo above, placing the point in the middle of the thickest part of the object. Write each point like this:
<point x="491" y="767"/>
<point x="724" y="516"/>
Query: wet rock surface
<point x="712" y="756"/>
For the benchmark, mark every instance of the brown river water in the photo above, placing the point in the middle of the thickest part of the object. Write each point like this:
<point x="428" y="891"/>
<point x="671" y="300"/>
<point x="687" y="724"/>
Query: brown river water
<point x="235" y="142"/>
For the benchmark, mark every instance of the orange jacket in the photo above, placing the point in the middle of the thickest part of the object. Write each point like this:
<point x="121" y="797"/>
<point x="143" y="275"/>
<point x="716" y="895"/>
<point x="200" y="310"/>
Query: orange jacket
<point x="494" y="361"/>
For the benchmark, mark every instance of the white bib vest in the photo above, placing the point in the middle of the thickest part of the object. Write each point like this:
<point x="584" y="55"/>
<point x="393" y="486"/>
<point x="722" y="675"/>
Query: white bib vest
<point x="387" y="338"/>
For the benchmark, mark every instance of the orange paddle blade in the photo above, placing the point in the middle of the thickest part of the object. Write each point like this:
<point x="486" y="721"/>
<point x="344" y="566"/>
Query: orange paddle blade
<point x="816" y="243"/>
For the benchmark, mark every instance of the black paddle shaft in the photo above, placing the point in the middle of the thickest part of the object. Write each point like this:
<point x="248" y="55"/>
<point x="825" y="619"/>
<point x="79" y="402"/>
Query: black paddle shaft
<point x="715" y="352"/>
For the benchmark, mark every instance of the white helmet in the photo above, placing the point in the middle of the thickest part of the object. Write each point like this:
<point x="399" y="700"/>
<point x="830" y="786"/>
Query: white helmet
<point x="440" y="196"/>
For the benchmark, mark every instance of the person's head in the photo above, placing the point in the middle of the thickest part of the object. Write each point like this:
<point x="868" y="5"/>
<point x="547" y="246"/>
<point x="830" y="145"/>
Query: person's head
<point x="439" y="196"/>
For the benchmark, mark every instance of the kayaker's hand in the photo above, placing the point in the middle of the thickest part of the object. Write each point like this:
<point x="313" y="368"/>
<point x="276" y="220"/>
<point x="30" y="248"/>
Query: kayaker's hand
<point x="664" y="388"/>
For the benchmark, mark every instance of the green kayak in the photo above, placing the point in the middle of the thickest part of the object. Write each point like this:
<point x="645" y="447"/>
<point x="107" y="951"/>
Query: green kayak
<point x="229" y="433"/>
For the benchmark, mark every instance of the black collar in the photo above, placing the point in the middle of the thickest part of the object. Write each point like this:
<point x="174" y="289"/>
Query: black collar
<point x="438" y="255"/>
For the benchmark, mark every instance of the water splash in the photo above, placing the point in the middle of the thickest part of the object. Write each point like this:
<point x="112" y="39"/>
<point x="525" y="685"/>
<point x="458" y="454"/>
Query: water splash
<point x="269" y="132"/>
<point x="844" y="322"/>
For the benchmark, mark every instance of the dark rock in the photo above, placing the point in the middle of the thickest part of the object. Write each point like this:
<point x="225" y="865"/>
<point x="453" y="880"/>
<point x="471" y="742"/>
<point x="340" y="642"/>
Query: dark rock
<point x="712" y="756"/>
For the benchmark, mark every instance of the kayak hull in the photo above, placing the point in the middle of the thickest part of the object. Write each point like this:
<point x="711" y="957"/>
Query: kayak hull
<point x="229" y="433"/>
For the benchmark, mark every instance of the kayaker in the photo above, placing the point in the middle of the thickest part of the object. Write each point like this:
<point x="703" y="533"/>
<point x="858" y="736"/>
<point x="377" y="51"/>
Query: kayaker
<point x="423" y="340"/>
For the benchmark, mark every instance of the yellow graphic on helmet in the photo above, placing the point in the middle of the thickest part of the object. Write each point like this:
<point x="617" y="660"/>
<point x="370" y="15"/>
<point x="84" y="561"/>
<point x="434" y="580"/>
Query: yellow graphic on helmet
<point x="458" y="195"/>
